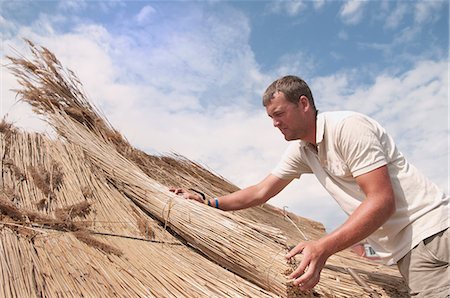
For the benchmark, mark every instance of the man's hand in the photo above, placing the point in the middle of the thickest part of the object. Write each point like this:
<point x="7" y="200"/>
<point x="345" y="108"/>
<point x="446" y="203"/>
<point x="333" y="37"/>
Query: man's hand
<point x="373" y="212"/>
<point x="186" y="194"/>
<point x="307" y="274"/>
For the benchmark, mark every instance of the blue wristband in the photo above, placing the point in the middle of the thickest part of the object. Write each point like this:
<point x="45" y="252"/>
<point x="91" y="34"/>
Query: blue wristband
<point x="217" y="202"/>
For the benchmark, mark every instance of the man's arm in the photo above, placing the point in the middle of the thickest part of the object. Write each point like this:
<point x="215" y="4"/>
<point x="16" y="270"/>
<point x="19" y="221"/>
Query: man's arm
<point x="373" y="212"/>
<point x="248" y="197"/>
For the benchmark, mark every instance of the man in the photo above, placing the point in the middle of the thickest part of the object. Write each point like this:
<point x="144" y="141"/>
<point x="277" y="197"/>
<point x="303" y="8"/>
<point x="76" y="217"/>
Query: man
<point x="403" y="215"/>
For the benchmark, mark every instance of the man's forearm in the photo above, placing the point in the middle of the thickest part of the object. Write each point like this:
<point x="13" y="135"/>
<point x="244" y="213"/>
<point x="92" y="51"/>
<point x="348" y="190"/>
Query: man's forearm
<point x="373" y="212"/>
<point x="367" y="218"/>
<point x="241" y="199"/>
<point x="254" y="195"/>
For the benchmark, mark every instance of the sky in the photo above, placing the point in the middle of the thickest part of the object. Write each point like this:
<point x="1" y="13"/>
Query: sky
<point x="187" y="76"/>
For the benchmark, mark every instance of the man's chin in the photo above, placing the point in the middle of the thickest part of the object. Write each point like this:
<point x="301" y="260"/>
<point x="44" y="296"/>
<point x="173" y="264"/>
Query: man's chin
<point x="290" y="138"/>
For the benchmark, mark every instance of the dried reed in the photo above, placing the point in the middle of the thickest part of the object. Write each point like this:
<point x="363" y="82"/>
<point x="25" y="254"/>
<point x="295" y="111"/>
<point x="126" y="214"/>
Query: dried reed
<point x="81" y="209"/>
<point x="53" y="262"/>
<point x="17" y="172"/>
<point x="87" y="238"/>
<point x="254" y="252"/>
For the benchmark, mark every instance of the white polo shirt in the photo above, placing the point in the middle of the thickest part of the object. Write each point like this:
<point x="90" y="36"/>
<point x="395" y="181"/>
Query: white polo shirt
<point x="350" y="144"/>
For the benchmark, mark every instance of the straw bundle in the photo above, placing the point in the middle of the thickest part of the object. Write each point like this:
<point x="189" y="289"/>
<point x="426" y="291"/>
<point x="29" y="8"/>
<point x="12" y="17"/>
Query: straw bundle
<point x="44" y="257"/>
<point x="254" y="252"/>
<point x="112" y="175"/>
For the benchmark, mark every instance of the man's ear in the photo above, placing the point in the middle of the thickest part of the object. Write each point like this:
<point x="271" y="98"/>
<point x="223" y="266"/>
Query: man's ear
<point x="304" y="102"/>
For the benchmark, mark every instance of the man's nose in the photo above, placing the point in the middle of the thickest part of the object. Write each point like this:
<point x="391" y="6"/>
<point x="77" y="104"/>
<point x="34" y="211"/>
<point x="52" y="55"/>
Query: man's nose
<point x="276" y="123"/>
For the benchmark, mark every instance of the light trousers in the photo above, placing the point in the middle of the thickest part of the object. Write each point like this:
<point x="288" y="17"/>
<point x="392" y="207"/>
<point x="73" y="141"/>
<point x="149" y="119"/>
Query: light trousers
<point x="425" y="268"/>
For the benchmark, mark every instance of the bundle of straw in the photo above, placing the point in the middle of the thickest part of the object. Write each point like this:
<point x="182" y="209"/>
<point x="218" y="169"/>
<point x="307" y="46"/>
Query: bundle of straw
<point x="253" y="252"/>
<point x="45" y="255"/>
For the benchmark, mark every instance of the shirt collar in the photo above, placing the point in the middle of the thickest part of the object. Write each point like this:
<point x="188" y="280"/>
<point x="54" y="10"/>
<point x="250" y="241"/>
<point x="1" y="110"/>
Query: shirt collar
<point x="320" y="128"/>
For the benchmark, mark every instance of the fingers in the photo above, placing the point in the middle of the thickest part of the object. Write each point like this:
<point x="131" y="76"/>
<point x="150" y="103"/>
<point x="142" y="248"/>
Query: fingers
<point x="308" y="280"/>
<point x="195" y="197"/>
<point x="175" y="190"/>
<point x="178" y="191"/>
<point x="300" y="270"/>
<point x="307" y="274"/>
<point x="186" y="194"/>
<point x="303" y="264"/>
<point x="296" y="250"/>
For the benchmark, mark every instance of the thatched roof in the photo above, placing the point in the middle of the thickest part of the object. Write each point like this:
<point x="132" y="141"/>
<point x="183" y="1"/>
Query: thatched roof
<point x="88" y="215"/>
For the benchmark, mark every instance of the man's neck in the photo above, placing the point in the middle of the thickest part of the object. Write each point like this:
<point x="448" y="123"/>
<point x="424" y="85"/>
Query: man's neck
<point x="312" y="138"/>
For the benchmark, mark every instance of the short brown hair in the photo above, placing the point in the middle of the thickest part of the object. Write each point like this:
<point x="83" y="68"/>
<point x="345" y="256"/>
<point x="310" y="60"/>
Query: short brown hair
<point x="292" y="87"/>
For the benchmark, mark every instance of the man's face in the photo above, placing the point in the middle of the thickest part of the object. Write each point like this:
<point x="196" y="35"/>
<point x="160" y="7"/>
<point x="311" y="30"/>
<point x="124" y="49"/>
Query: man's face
<point x="288" y="117"/>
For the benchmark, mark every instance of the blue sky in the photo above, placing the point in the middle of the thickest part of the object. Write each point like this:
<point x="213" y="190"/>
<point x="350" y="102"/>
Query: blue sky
<point x="187" y="76"/>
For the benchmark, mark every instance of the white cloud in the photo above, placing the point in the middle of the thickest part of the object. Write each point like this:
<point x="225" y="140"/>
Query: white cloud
<point x="14" y="110"/>
<point x="72" y="6"/>
<point x="352" y="11"/>
<point x="396" y="16"/>
<point x="401" y="38"/>
<point x="318" y="4"/>
<point x="291" y="7"/>
<point x="425" y="11"/>
<point x="407" y="36"/>
<point x="8" y="28"/>
<point x="295" y="63"/>
<point x="145" y="14"/>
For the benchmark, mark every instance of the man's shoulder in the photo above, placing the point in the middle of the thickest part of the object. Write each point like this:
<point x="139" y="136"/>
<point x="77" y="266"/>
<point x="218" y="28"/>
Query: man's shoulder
<point x="329" y="121"/>
<point x="338" y="115"/>
<point x="337" y="118"/>
<point x="347" y="123"/>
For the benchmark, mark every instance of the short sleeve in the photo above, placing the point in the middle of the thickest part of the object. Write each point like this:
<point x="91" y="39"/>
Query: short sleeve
<point x="359" y="141"/>
<point x="291" y="164"/>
